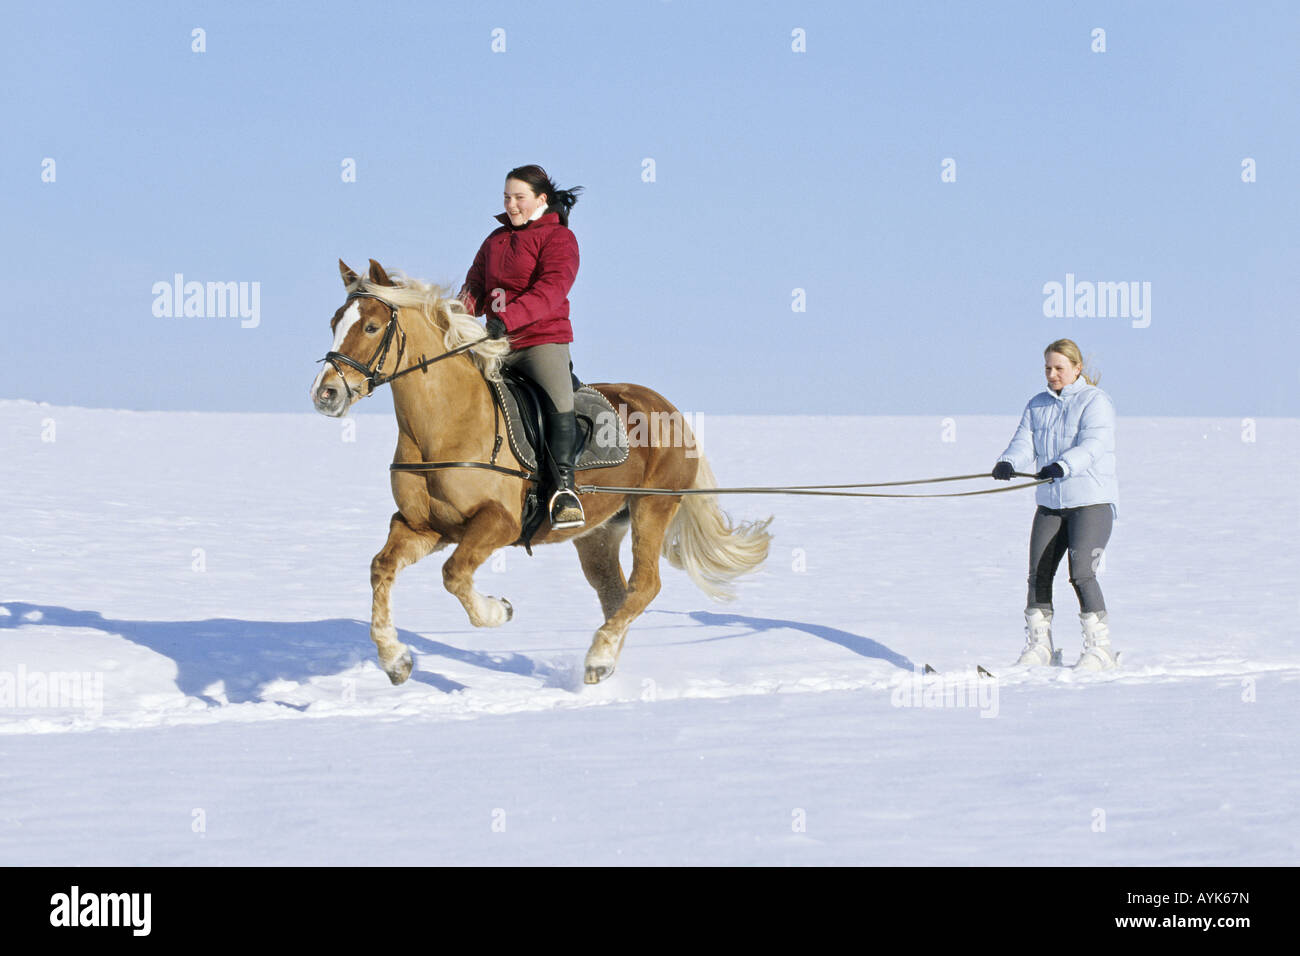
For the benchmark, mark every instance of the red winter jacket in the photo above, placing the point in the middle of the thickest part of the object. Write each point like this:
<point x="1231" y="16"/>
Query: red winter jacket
<point x="534" y="265"/>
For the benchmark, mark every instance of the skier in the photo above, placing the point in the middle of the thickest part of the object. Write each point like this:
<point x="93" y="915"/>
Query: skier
<point x="521" y="279"/>
<point x="1069" y="429"/>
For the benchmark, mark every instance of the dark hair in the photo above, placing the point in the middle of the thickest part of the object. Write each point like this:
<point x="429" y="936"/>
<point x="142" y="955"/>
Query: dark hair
<point x="558" y="200"/>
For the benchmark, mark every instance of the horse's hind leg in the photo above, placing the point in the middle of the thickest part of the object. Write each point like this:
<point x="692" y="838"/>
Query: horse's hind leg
<point x="405" y="546"/>
<point x="598" y="552"/>
<point x="650" y="519"/>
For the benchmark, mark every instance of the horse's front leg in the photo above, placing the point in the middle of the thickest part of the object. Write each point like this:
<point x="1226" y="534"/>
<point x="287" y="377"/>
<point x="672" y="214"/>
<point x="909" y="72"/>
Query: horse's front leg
<point x="491" y="527"/>
<point x="405" y="545"/>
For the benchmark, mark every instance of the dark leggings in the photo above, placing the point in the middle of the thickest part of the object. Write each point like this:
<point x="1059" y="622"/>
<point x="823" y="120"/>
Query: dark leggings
<point x="1084" y="533"/>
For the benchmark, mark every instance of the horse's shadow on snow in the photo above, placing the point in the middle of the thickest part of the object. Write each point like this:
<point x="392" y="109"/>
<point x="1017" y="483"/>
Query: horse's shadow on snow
<point x="863" y="646"/>
<point x="246" y="656"/>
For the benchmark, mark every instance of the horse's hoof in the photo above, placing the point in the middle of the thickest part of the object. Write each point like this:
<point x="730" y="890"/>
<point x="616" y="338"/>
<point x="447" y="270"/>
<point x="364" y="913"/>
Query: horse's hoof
<point x="594" y="675"/>
<point x="490" y="611"/>
<point x="400" y="669"/>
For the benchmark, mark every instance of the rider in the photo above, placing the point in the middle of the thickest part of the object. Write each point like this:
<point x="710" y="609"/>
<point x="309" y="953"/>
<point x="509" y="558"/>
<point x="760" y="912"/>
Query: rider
<point x="521" y="279"/>
<point x="1069" y="428"/>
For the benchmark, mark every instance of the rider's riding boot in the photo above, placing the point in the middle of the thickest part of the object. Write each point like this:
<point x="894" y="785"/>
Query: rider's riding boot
<point x="562" y="443"/>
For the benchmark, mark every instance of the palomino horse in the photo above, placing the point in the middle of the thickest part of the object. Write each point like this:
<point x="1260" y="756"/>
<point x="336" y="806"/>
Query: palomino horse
<point x="445" y="412"/>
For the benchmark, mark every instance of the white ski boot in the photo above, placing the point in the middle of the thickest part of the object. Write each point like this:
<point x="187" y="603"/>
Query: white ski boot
<point x="1097" y="654"/>
<point x="1038" y="650"/>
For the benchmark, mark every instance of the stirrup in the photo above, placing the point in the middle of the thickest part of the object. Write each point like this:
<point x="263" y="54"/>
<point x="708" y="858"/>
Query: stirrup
<point x="565" y="510"/>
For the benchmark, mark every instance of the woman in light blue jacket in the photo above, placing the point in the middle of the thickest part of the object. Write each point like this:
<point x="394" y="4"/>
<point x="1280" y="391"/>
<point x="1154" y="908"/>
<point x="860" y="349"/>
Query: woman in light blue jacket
<point x="1069" y="431"/>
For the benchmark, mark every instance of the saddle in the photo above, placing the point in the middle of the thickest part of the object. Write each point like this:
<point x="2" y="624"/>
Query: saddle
<point x="602" y="438"/>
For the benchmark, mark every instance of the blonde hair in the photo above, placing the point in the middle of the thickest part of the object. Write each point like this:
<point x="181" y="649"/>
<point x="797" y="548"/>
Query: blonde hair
<point x="447" y="315"/>
<point x="1072" y="354"/>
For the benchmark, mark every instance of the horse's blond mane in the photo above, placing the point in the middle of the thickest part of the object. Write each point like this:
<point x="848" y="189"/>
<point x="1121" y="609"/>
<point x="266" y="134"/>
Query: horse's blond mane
<point x="444" y="313"/>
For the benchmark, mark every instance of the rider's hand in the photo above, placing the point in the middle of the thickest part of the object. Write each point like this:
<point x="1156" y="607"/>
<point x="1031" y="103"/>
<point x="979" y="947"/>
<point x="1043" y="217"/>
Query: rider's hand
<point x="496" y="329"/>
<point x="1053" y="470"/>
<point x="1003" y="471"/>
<point x="466" y="298"/>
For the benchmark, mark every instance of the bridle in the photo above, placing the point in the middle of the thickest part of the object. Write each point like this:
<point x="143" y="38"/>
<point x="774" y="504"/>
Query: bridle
<point x="372" y="367"/>
<point x="371" y="372"/>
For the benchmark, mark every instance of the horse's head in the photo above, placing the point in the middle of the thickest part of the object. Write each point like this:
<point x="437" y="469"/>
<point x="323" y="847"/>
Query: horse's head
<point x="365" y="328"/>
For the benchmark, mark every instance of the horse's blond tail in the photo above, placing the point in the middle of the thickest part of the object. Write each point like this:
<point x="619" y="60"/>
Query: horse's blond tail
<point x="703" y="541"/>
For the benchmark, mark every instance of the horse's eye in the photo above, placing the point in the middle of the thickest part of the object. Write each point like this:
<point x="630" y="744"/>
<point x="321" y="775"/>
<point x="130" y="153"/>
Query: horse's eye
<point x="371" y="329"/>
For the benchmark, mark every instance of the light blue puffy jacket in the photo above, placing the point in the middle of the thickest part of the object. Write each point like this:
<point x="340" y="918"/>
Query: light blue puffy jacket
<point x="1076" y="430"/>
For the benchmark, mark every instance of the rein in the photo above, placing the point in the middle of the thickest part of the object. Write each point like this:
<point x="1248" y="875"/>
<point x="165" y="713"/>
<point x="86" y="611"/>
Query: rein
<point x="374" y="379"/>
<point x="371" y="369"/>
<point x="822" y="490"/>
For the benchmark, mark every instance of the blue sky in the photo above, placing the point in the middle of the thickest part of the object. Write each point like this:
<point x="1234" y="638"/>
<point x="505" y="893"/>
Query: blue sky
<point x="774" y="171"/>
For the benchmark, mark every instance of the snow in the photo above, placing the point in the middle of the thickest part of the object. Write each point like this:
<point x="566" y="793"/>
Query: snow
<point x="204" y="578"/>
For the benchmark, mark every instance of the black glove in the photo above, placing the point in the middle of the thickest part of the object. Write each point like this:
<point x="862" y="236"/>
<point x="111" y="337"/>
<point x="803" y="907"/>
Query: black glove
<point x="1003" y="471"/>
<point x="496" y="329"/>
<point x="1051" y="471"/>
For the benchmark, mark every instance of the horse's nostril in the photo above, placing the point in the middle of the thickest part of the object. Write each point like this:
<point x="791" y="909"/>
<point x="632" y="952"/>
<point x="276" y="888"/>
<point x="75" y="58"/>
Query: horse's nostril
<point x="327" y="393"/>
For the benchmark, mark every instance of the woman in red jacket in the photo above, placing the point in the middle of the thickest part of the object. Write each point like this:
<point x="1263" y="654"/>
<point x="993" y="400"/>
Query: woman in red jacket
<point x="521" y="279"/>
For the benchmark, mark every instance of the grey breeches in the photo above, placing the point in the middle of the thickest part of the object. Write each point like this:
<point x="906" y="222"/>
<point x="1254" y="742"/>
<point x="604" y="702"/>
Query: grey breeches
<point x="1081" y="531"/>
<point x="548" y="365"/>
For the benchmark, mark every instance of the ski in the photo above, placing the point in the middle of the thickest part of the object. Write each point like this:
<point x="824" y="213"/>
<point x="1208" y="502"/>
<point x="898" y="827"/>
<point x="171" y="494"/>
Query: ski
<point x="982" y="671"/>
<point x="929" y="671"/>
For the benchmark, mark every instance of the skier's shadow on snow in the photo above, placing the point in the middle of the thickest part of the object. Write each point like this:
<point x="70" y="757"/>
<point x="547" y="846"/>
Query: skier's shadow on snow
<point x="864" y="646"/>
<point x="248" y="655"/>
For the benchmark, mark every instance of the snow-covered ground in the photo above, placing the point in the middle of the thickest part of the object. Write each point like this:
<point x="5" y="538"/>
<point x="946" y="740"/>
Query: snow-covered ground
<point x="201" y="582"/>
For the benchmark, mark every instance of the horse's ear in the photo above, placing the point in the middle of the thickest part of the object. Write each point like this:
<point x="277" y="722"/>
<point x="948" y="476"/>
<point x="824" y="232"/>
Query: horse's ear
<point x="378" y="275"/>
<point x="349" y="277"/>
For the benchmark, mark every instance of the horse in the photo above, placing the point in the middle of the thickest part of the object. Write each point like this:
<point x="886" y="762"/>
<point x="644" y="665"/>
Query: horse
<point x="411" y="335"/>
